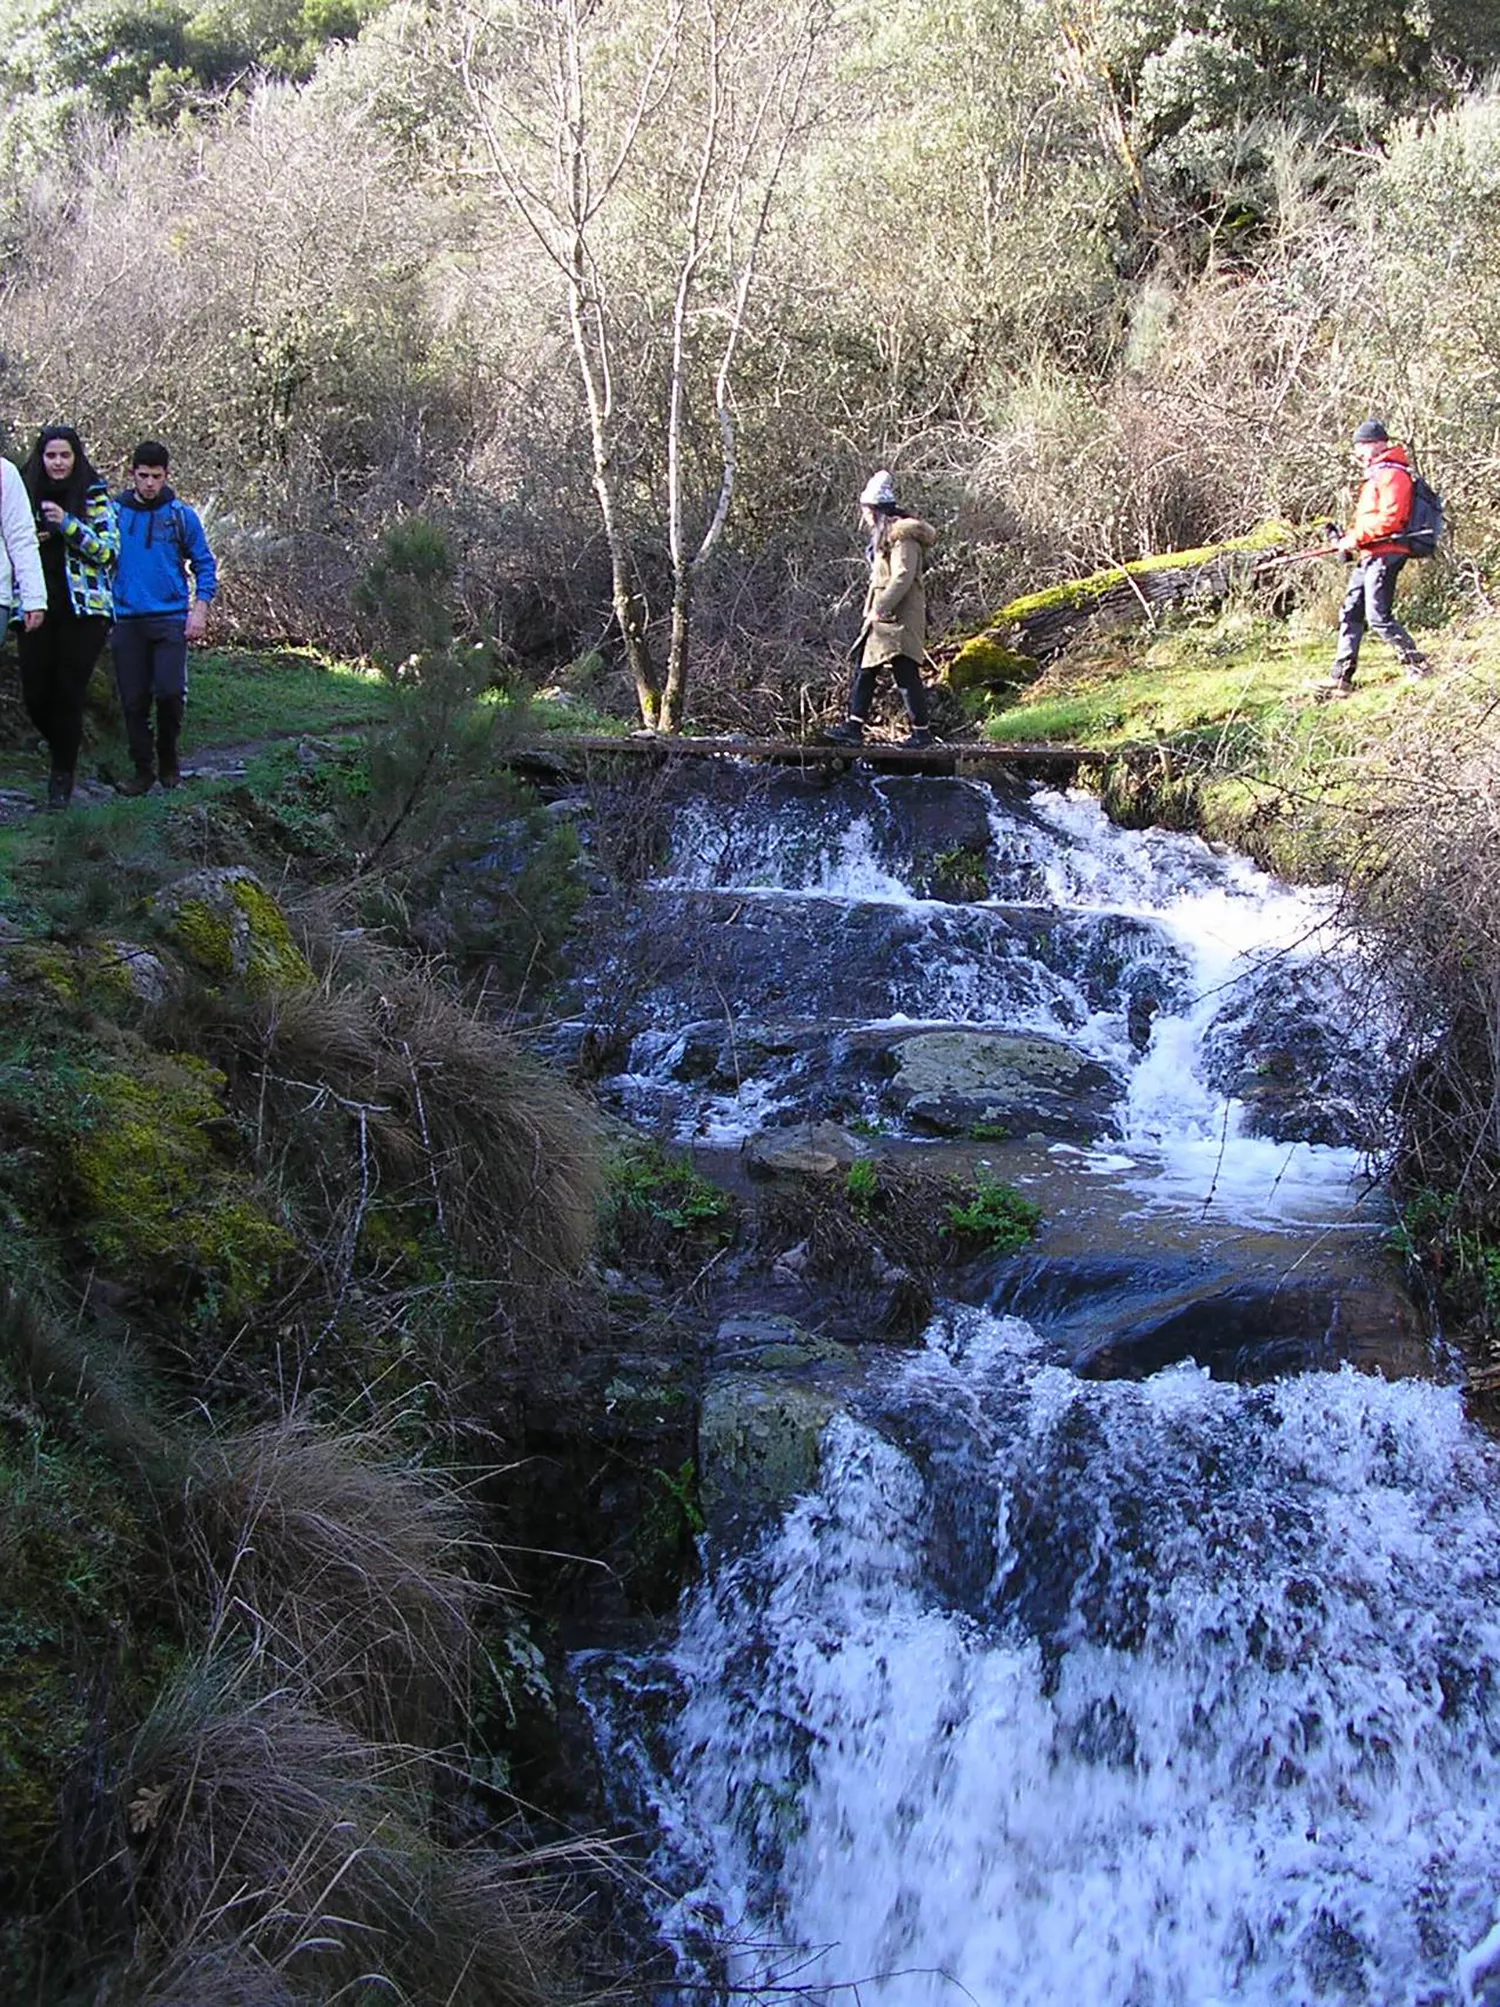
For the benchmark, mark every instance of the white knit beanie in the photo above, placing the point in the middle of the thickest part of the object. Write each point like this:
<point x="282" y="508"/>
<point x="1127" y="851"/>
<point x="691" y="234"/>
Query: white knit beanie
<point x="878" y="491"/>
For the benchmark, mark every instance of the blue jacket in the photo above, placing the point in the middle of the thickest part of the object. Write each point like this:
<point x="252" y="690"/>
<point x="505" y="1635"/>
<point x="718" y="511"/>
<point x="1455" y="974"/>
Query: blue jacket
<point x="161" y="544"/>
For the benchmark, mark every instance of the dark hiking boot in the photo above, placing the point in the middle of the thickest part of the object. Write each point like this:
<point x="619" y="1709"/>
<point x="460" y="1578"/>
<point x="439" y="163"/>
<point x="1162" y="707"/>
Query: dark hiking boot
<point x="141" y="782"/>
<point x="919" y="735"/>
<point x="1418" y="668"/>
<point x="59" y="789"/>
<point x="850" y="733"/>
<point x="1330" y="693"/>
<point x="170" y="774"/>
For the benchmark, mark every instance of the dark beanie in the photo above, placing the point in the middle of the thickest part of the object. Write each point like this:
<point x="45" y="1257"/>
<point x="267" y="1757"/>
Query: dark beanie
<point x="1371" y="433"/>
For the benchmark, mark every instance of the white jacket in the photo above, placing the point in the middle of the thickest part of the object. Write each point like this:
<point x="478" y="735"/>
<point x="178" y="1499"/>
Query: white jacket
<point x="20" y="558"/>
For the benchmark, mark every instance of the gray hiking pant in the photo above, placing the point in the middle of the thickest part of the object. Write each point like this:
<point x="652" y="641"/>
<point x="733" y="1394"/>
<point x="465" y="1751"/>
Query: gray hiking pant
<point x="1367" y="603"/>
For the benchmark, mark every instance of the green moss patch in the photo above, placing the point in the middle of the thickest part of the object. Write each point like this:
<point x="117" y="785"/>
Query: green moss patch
<point x="154" y="1193"/>
<point x="229" y="926"/>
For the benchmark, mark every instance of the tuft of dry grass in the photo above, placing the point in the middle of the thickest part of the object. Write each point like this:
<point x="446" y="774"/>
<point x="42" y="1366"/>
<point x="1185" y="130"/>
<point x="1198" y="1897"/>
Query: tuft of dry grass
<point x="382" y="1088"/>
<point x="279" y="1859"/>
<point x="340" y="1564"/>
<point x="85" y="1381"/>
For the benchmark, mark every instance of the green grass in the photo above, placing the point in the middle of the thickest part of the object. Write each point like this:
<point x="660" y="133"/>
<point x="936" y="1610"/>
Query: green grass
<point x="1237" y="680"/>
<point x="240" y="694"/>
<point x="1192" y="678"/>
<point x="1251" y="760"/>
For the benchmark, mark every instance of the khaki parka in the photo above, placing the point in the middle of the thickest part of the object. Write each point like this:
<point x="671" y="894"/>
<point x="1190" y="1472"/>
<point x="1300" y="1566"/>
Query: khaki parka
<point x="895" y="614"/>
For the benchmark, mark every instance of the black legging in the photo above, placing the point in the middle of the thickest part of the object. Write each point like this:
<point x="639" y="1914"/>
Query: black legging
<point x="57" y="660"/>
<point x="908" y="675"/>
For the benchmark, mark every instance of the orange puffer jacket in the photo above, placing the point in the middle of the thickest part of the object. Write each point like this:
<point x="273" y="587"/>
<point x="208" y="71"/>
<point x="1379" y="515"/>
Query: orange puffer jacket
<point x="1384" y="505"/>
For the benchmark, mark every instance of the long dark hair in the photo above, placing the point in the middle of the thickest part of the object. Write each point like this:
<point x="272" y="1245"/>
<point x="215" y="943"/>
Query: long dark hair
<point x="70" y="494"/>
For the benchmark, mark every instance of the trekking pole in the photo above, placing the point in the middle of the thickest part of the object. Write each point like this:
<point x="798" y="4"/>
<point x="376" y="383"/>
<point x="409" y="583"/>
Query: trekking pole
<point x="1293" y="557"/>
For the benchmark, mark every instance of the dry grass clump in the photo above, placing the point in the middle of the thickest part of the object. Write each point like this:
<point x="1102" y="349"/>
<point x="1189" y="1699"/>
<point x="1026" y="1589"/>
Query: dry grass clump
<point x="380" y="1089"/>
<point x="84" y="1381"/>
<point x="340" y="1563"/>
<point x="277" y="1859"/>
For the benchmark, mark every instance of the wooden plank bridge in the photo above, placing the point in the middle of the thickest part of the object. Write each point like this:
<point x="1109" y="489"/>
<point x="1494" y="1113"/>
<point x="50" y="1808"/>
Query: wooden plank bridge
<point x="566" y="755"/>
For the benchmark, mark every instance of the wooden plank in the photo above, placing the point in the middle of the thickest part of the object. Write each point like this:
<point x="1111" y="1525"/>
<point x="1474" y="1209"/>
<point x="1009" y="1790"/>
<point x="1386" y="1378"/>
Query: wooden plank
<point x="568" y="753"/>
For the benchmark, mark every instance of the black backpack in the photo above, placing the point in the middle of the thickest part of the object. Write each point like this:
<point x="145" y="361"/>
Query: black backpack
<point x="1424" y="526"/>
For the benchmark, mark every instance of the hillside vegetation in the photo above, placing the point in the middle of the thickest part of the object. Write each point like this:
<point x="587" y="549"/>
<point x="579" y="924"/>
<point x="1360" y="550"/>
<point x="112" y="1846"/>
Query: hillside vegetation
<point x="287" y="1218"/>
<point x="1097" y="281"/>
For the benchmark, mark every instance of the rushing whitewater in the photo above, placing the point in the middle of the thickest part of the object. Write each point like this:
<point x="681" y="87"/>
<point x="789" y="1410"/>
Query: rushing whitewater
<point x="1059" y="1693"/>
<point x="1145" y="950"/>
<point x="1057" y="1690"/>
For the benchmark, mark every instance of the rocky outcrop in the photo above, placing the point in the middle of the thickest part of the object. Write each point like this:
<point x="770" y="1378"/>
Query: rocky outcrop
<point x="228" y="925"/>
<point x="954" y="1082"/>
<point x="771" y="1393"/>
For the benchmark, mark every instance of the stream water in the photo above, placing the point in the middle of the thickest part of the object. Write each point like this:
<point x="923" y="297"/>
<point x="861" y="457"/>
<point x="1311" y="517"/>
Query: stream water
<point x="1176" y="1685"/>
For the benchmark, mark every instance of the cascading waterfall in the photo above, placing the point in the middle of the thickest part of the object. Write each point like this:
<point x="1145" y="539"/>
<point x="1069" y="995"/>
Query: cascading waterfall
<point x="1153" y="1692"/>
<point x="1056" y="1692"/>
<point x="1088" y="932"/>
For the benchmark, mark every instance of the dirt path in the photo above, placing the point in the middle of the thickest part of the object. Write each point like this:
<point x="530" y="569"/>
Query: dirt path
<point x="19" y="799"/>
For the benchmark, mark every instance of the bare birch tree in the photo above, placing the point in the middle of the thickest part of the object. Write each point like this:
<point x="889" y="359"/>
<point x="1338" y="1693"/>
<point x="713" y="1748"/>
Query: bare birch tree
<point x="605" y="122"/>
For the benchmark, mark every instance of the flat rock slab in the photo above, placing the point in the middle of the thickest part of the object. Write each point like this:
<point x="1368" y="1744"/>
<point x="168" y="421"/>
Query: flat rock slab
<point x="948" y="1083"/>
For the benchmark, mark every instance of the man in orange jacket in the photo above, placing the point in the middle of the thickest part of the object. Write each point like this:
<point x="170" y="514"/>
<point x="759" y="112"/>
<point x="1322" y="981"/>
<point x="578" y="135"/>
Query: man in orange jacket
<point x="1378" y="549"/>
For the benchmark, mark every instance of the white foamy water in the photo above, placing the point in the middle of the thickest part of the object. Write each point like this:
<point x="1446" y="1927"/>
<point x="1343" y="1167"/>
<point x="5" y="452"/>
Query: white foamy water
<point x="1068" y="1694"/>
<point x="1122" y="915"/>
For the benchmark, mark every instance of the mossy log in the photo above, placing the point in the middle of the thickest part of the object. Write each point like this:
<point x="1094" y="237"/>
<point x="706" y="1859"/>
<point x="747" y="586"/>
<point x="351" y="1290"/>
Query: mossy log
<point x="1019" y="638"/>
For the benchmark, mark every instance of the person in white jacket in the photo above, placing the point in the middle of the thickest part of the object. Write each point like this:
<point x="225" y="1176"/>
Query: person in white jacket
<point x="23" y="586"/>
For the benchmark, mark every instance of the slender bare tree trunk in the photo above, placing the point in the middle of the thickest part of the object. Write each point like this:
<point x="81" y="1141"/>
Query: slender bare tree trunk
<point x="558" y="173"/>
<point x="774" y="120"/>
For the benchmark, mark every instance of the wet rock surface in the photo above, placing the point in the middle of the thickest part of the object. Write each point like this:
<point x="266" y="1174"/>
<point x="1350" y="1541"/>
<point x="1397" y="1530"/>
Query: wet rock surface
<point x="1285" y="1054"/>
<point x="951" y="1082"/>
<point x="1122" y="1316"/>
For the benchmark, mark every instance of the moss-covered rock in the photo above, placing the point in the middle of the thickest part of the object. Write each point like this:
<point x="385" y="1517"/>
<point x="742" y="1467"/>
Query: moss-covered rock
<point x="759" y="1447"/>
<point x="229" y="926"/>
<point x="155" y="1195"/>
<point x="984" y="663"/>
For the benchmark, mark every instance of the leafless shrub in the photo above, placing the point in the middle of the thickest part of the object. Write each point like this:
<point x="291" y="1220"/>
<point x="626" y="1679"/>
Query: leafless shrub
<point x="286" y="588"/>
<point x="1424" y="891"/>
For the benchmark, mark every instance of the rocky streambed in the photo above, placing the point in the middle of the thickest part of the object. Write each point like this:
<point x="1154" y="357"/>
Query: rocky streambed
<point x="847" y="1001"/>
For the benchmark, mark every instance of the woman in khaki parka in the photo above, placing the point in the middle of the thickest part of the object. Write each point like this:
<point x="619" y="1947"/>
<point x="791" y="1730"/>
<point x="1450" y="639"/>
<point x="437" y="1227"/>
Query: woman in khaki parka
<point x="895" y="613"/>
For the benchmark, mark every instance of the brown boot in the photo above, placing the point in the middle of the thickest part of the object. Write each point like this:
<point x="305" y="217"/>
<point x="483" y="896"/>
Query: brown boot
<point x="1328" y="693"/>
<point x="141" y="782"/>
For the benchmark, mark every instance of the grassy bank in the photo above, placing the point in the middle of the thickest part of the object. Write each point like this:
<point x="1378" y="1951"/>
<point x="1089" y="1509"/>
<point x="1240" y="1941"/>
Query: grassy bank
<point x="1217" y="728"/>
<point x="284" y="1221"/>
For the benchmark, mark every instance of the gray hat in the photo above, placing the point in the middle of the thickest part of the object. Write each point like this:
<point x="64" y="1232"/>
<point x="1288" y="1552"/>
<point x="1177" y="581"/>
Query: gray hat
<point x="1371" y="433"/>
<point x="878" y="492"/>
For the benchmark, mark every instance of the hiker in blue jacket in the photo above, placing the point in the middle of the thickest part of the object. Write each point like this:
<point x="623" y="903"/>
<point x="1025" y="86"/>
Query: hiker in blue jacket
<point x="163" y="585"/>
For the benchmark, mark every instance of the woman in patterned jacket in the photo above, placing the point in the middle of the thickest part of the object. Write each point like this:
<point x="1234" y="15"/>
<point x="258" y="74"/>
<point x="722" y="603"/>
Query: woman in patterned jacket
<point x="80" y="542"/>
